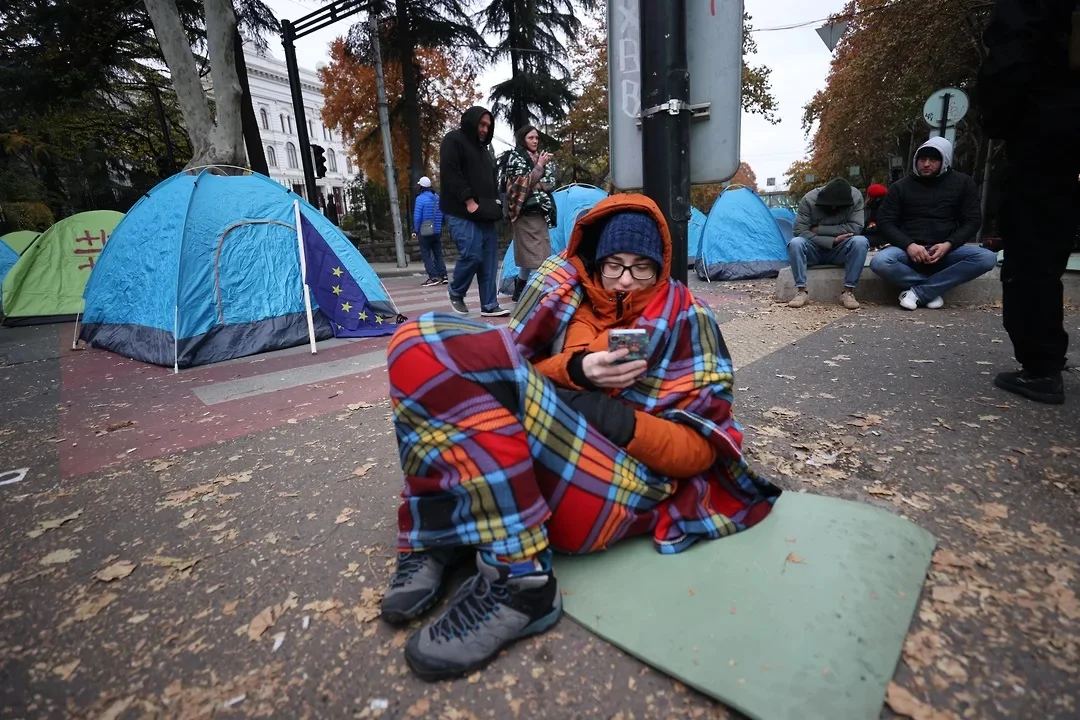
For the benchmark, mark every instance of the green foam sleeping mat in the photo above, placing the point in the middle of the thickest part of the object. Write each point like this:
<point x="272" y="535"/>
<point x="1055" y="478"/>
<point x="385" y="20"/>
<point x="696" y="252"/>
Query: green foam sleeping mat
<point x="802" y="616"/>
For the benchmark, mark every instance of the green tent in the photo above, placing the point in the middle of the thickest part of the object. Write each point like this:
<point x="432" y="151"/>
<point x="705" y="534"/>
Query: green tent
<point x="47" y="283"/>
<point x="19" y="240"/>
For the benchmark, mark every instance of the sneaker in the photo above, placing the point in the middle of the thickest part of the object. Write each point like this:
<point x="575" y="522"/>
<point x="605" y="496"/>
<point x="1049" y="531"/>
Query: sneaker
<point x="847" y="299"/>
<point x="936" y="303"/>
<point x="429" y="282"/>
<point x="417" y="583"/>
<point x="489" y="611"/>
<point x="1049" y="389"/>
<point x="495" y="312"/>
<point x="445" y="280"/>
<point x="909" y="300"/>
<point x="801" y="298"/>
<point x="458" y="303"/>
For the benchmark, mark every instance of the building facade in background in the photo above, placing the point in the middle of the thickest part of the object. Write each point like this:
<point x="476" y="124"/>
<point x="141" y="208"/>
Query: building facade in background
<point x="272" y="99"/>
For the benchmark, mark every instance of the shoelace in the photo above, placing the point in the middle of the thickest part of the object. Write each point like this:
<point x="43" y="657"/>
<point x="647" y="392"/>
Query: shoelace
<point x="407" y="567"/>
<point x="476" y="598"/>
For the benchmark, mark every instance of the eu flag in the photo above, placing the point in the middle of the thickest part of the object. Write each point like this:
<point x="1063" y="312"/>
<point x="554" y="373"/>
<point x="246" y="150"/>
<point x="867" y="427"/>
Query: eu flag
<point x="337" y="293"/>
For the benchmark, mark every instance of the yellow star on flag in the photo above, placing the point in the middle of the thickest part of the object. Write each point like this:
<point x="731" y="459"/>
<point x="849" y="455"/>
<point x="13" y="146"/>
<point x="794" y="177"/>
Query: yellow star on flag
<point x="347" y="307"/>
<point x="337" y="289"/>
<point x="338" y="272"/>
<point x="363" y="315"/>
<point x="378" y="319"/>
<point x="340" y="327"/>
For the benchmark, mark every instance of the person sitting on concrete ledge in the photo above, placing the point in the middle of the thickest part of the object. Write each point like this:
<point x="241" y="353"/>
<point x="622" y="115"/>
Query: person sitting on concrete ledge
<point x="827" y="229"/>
<point x="875" y="196"/>
<point x="928" y="217"/>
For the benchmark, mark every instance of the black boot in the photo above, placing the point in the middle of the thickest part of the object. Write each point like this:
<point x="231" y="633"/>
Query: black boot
<point x="519" y="286"/>
<point x="1048" y="388"/>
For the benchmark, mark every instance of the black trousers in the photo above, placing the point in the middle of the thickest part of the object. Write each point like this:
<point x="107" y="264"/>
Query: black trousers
<point x="1040" y="215"/>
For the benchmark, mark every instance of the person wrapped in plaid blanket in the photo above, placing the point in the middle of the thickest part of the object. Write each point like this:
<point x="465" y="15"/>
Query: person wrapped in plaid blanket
<point x="514" y="443"/>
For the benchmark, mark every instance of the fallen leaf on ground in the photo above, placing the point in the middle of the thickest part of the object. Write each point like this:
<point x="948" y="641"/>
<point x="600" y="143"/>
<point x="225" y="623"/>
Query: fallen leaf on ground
<point x="904" y="703"/>
<point x="358" y="406"/>
<point x="363" y="470"/>
<point x="947" y="593"/>
<point x="420" y="708"/>
<point x="93" y="606"/>
<point x="880" y="491"/>
<point x="45" y="526"/>
<point x="229" y="608"/>
<point x="947" y="558"/>
<point x="173" y="563"/>
<point x="344" y="516"/>
<point x="119" y="569"/>
<point x="117" y="709"/>
<point x="322" y="606"/>
<point x="64" y="671"/>
<point x="260" y="623"/>
<point x="994" y="510"/>
<point x="793" y="558"/>
<point x="136" y="619"/>
<point x="989" y="418"/>
<point x="162" y="465"/>
<point x="62" y="555"/>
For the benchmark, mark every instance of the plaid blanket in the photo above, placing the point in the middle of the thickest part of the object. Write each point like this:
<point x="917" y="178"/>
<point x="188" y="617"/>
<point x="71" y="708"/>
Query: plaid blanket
<point x="520" y="190"/>
<point x="689" y="381"/>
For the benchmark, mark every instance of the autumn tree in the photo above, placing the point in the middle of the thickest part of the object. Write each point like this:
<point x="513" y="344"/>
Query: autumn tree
<point x="871" y="105"/>
<point x="796" y="178"/>
<point x="447" y="84"/>
<point x="407" y="26"/>
<point x="757" y="97"/>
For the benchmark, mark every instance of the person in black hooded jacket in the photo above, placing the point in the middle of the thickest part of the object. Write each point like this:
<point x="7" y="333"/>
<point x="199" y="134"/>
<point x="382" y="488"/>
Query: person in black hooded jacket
<point x="470" y="202"/>
<point x="928" y="217"/>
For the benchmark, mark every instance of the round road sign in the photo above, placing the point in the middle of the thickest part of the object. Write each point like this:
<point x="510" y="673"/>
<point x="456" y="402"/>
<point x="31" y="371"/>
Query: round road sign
<point x="958" y="107"/>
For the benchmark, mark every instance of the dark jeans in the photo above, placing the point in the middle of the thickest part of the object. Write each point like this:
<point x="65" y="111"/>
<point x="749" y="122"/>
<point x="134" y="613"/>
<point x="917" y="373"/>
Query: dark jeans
<point x="1040" y="210"/>
<point x="431" y="253"/>
<point x="960" y="265"/>
<point x="478" y="245"/>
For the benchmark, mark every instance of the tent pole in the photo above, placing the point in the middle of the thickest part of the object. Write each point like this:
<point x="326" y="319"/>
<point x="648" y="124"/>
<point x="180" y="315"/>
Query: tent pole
<point x="303" y="278"/>
<point x="75" y="339"/>
<point x="176" y="340"/>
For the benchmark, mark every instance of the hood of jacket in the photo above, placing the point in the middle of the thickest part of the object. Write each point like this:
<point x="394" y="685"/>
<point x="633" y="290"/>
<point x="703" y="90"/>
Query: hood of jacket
<point x="581" y="251"/>
<point x="940" y="144"/>
<point x="470" y="120"/>
<point x="836" y="194"/>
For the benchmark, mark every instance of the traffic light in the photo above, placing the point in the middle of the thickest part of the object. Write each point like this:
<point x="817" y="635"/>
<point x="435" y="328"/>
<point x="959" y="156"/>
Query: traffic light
<point x="320" y="160"/>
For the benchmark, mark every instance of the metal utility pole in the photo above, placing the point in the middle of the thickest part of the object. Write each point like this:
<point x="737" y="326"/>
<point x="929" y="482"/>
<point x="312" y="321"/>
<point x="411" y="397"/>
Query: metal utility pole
<point x="665" y="119"/>
<point x="288" y="37"/>
<point x="388" y="150"/>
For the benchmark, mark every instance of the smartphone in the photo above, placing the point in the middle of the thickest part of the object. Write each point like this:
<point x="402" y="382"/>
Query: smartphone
<point x="634" y="339"/>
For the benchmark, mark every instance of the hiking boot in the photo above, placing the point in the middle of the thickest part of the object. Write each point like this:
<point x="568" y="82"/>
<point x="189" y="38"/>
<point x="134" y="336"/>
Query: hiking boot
<point x="417" y="582"/>
<point x="847" y="299"/>
<point x="494" y="312"/>
<point x="909" y="300"/>
<point x="936" y="303"/>
<point x="801" y="298"/>
<point x="429" y="282"/>
<point x="1048" y="388"/>
<point x="458" y="303"/>
<point x="490" y="611"/>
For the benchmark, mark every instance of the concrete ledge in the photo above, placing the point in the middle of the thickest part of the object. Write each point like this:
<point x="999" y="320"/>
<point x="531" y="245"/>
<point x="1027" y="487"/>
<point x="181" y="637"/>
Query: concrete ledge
<point x="825" y="282"/>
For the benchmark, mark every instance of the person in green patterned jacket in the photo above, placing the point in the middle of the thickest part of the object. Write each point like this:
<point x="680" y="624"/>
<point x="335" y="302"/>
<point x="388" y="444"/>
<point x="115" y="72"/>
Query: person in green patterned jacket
<point x="529" y="178"/>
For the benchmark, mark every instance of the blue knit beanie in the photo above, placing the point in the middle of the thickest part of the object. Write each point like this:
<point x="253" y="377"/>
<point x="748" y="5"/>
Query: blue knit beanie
<point x="631" y="232"/>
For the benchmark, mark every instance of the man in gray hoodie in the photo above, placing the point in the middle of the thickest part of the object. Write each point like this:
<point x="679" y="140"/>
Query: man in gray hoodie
<point x="827" y="229"/>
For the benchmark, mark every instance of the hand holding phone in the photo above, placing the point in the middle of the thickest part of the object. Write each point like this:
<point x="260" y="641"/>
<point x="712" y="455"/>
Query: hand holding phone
<point x="633" y="339"/>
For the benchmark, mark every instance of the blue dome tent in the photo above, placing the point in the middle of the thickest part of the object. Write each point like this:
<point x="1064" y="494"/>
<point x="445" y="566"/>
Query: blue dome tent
<point x="741" y="240"/>
<point x="206" y="268"/>
<point x="693" y="234"/>
<point x="571" y="202"/>
<point x="785" y="220"/>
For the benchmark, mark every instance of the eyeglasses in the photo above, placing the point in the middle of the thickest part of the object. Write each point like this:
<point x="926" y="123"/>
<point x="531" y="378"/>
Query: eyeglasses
<point x="614" y="270"/>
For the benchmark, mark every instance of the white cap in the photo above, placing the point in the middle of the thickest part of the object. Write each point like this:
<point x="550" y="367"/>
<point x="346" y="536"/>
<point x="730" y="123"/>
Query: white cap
<point x="424" y="182"/>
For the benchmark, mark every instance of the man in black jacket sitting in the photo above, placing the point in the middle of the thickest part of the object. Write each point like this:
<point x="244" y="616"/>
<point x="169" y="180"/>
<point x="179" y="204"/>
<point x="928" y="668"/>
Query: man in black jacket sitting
<point x="470" y="202"/>
<point x="928" y="217"/>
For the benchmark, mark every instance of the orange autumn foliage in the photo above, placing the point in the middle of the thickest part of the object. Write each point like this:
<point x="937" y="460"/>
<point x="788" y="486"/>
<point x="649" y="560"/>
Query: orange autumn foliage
<point x="447" y="85"/>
